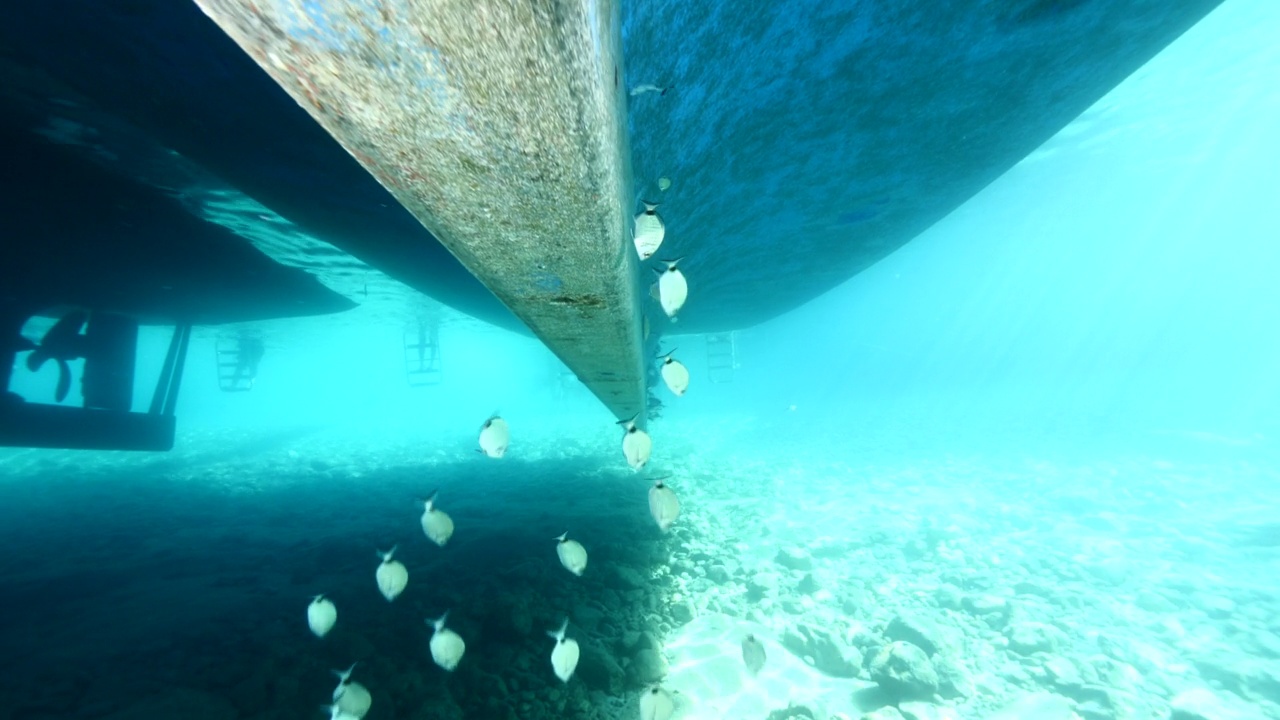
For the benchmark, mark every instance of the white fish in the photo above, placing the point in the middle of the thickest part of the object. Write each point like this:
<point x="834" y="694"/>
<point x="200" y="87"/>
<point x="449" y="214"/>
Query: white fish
<point x="673" y="290"/>
<point x="446" y="645"/>
<point x="636" y="444"/>
<point x="495" y="435"/>
<point x="663" y="505"/>
<point x="337" y="713"/>
<point x="649" y="231"/>
<point x="321" y="615"/>
<point x="437" y="525"/>
<point x="564" y="657"/>
<point x="753" y="654"/>
<point x="675" y="374"/>
<point x="656" y="704"/>
<point x="650" y="87"/>
<point x="572" y="555"/>
<point x="664" y="183"/>
<point x="351" y="697"/>
<point x="392" y="575"/>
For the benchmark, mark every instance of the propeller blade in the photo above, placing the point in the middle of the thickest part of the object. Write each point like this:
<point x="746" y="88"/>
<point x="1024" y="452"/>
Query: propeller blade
<point x="64" y="380"/>
<point x="60" y="341"/>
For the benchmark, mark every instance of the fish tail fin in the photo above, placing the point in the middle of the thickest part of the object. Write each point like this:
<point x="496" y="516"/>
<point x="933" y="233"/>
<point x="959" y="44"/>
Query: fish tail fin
<point x="344" y="675"/>
<point x="438" y="623"/>
<point x="558" y="635"/>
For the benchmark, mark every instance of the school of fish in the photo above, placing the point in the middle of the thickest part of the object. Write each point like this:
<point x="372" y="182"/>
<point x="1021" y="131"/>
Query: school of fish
<point x="351" y="700"/>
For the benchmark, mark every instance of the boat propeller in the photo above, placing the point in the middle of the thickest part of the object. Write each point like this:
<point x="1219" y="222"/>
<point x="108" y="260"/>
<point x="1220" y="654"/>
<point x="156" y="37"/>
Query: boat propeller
<point x="61" y="344"/>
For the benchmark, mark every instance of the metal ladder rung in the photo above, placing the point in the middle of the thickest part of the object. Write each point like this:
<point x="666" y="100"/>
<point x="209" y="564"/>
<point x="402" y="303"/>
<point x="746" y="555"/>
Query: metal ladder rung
<point x="722" y="357"/>
<point x="422" y="356"/>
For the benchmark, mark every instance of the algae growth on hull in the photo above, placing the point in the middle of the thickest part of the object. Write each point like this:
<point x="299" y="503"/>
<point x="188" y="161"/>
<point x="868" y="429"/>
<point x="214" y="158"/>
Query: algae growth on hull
<point x="1021" y="469"/>
<point x="951" y="585"/>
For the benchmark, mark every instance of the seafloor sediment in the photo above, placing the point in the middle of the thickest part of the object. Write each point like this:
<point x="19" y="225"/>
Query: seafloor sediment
<point x="883" y="583"/>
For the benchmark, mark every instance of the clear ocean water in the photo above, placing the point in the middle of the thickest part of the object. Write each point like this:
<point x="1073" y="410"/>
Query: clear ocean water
<point x="1025" y="468"/>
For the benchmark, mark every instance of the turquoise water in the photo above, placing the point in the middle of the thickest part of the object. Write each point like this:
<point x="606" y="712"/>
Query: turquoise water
<point x="1024" y="468"/>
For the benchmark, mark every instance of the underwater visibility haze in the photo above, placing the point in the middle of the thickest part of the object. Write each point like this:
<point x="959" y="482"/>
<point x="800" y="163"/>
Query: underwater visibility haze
<point x="1025" y="466"/>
